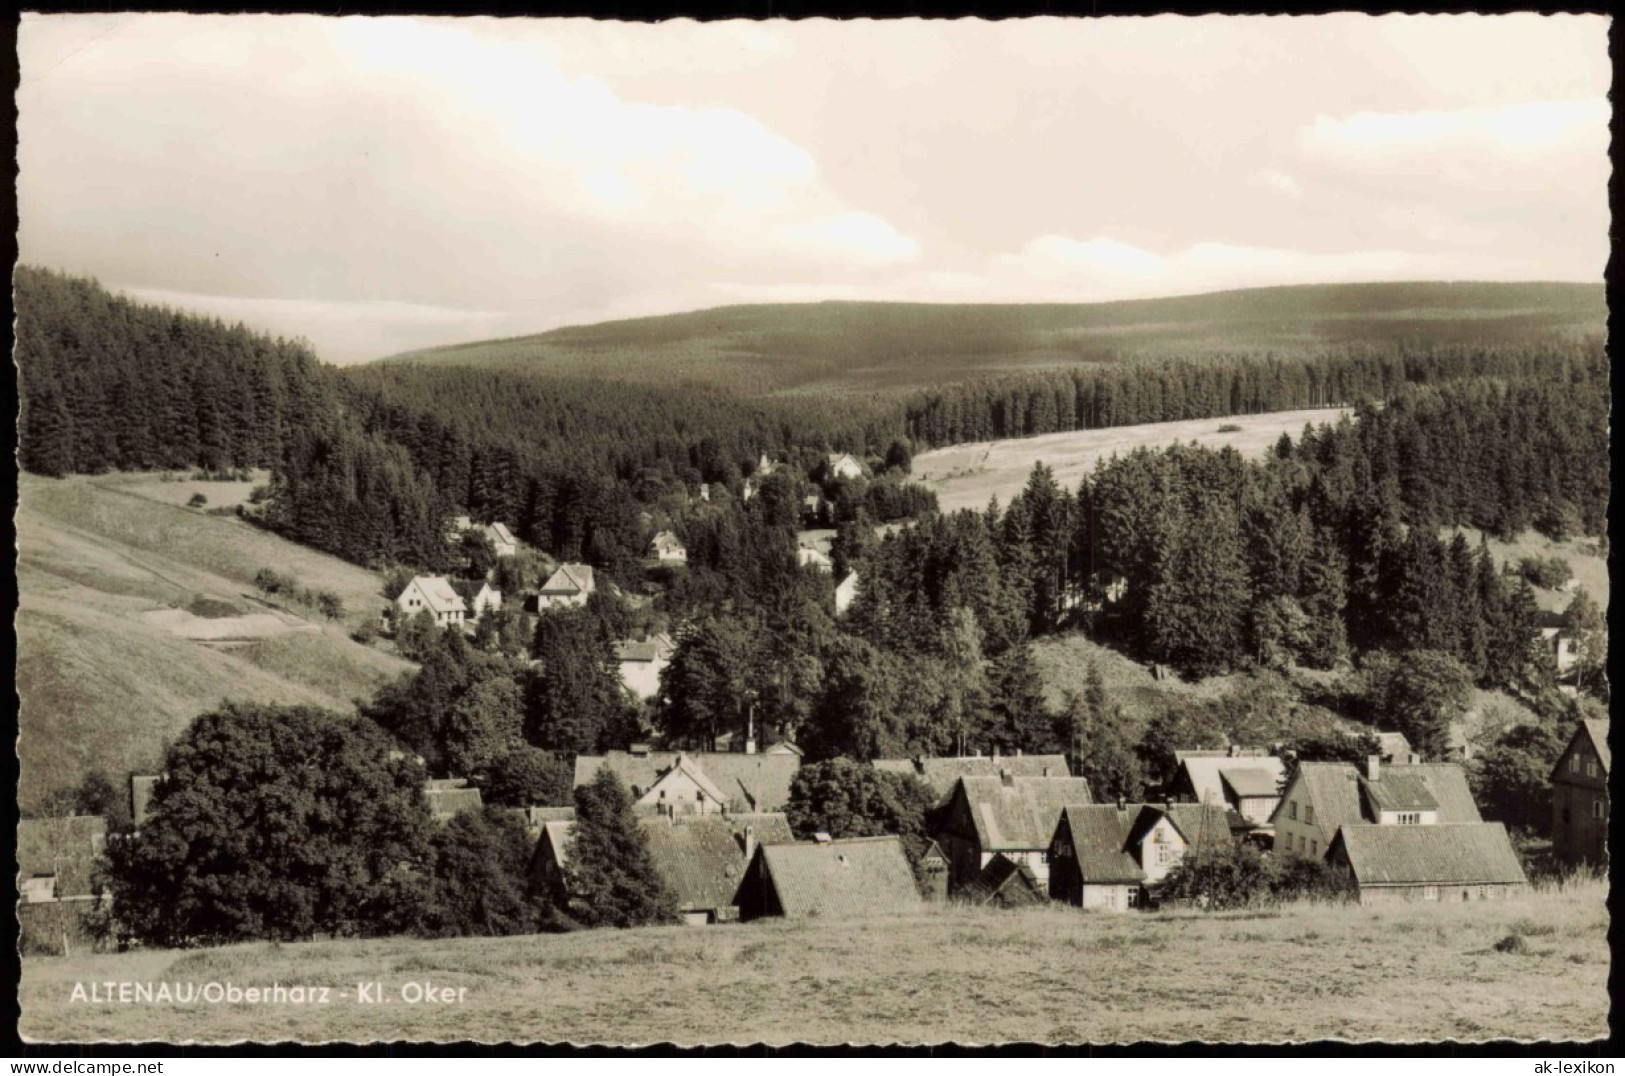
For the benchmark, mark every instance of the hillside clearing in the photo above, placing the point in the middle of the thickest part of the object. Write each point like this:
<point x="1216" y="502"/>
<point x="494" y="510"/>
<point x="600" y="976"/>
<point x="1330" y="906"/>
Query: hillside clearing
<point x="945" y="974"/>
<point x="104" y="678"/>
<point x="966" y="476"/>
<point x="1583" y="555"/>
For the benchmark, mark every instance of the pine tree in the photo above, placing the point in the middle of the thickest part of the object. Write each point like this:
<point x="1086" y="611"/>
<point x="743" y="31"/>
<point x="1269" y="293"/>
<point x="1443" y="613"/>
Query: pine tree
<point x="610" y="878"/>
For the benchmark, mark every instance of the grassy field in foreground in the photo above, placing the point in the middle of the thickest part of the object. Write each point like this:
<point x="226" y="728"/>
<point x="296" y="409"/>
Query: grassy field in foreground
<point x="101" y="683"/>
<point x="965" y="476"/>
<point x="1052" y="974"/>
<point x="861" y="346"/>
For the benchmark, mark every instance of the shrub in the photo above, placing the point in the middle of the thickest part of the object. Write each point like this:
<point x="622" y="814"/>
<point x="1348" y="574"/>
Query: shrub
<point x="1549" y="573"/>
<point x="197" y="500"/>
<point x="1229" y="427"/>
<point x="330" y="604"/>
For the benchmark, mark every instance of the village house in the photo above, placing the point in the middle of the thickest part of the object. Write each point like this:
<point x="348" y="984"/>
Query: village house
<point x="1249" y="784"/>
<point x="933" y="873"/>
<point x="459" y="524"/>
<point x="831" y="880"/>
<point x="479" y="601"/>
<point x="708" y="781"/>
<point x="56" y="861"/>
<point x="570" y="585"/>
<point x="942" y="773"/>
<point x="1442" y="862"/>
<point x="1580" y="796"/>
<point x="1004" y="883"/>
<point x="641" y="661"/>
<point x="1322" y="796"/>
<point x="435" y="594"/>
<point x="449" y="797"/>
<point x="1394" y="749"/>
<point x="817" y="558"/>
<point x="1107" y="856"/>
<point x="667" y="548"/>
<point x="701" y="860"/>
<point x="534" y="818"/>
<point x="1090" y="862"/>
<point x="842" y="465"/>
<point x="1014" y="815"/>
<point x="846" y="592"/>
<point x="503" y="542"/>
<point x="1557" y="640"/>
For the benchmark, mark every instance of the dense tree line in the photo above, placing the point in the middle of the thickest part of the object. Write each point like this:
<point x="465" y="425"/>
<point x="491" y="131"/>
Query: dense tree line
<point x="370" y="461"/>
<point x="106" y="383"/>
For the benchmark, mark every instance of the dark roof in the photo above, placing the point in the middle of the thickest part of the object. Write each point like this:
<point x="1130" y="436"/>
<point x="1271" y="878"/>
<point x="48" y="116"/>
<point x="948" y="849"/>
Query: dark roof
<point x="1251" y="782"/>
<point x="1476" y="853"/>
<point x="1342" y="795"/>
<point x="1203" y="825"/>
<point x="1100" y="835"/>
<point x="700" y="860"/>
<point x="942" y="773"/>
<point x="569" y="579"/>
<point x="446" y="803"/>
<point x="1005" y="881"/>
<point x="755" y="782"/>
<point x="1021" y="815"/>
<point x="63" y="848"/>
<point x="841" y="879"/>
<point x="1398" y="790"/>
<point x="768" y="827"/>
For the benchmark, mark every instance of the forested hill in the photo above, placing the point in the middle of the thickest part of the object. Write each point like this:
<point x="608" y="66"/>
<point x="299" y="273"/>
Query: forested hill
<point x="857" y="346"/>
<point x="370" y="461"/>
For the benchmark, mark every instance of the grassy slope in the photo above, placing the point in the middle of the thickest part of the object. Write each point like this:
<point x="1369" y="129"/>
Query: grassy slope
<point x="965" y="476"/>
<point x="1050" y="974"/>
<point x="99" y="686"/>
<point x="1589" y="566"/>
<point x="856" y="345"/>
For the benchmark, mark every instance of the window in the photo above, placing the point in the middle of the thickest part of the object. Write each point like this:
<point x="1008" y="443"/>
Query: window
<point x="1309" y="812"/>
<point x="1314" y="848"/>
<point x="1574" y="763"/>
<point x="1292" y="810"/>
<point x="1133" y="896"/>
<point x="662" y="793"/>
<point x="1430" y="892"/>
<point x="1408" y="818"/>
<point x="699" y="796"/>
<point x="1591" y="767"/>
<point x="1598" y="809"/>
<point x="1483" y="892"/>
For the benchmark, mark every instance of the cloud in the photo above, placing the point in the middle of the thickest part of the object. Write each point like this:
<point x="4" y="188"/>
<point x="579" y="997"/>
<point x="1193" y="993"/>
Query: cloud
<point x="1275" y="180"/>
<point x="1523" y="131"/>
<point x="862" y="237"/>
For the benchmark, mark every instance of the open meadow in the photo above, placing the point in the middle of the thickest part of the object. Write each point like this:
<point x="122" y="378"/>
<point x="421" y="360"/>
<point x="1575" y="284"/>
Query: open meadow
<point x="966" y="476"/>
<point x="135" y="616"/>
<point x="1053" y="974"/>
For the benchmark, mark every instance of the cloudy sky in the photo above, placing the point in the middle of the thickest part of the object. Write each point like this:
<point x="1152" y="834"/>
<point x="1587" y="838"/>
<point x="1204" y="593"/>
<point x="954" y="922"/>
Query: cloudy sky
<point x="380" y="184"/>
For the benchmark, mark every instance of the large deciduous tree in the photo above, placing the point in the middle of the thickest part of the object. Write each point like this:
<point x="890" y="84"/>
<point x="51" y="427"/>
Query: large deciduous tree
<point x="279" y="822"/>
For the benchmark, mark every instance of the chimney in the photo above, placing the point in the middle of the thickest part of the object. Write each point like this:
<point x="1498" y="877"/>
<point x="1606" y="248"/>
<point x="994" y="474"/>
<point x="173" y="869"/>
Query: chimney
<point x="750" y="843"/>
<point x="995" y="752"/>
<point x="1006" y="777"/>
<point x="1046" y="771"/>
<point x="1235" y="751"/>
<point x="1018" y="752"/>
<point x="750" y="747"/>
<point x="1373" y="767"/>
